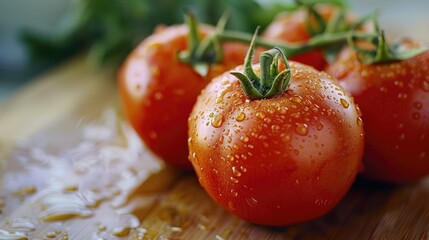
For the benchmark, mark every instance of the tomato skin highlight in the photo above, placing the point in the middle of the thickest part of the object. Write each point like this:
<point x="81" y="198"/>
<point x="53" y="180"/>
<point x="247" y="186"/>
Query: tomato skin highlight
<point x="158" y="91"/>
<point x="394" y="100"/>
<point x="276" y="161"/>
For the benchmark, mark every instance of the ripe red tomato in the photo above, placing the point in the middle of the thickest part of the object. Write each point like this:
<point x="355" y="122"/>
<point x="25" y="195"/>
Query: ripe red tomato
<point x="280" y="160"/>
<point x="394" y="100"/>
<point x="292" y="28"/>
<point x="158" y="91"/>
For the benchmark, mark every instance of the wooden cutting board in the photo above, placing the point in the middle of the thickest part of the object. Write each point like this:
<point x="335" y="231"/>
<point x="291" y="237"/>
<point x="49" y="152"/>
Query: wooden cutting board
<point x="72" y="168"/>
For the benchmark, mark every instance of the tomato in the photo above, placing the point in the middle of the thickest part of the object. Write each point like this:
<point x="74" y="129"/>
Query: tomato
<point x="279" y="160"/>
<point x="291" y="28"/>
<point x="158" y="91"/>
<point x="394" y="100"/>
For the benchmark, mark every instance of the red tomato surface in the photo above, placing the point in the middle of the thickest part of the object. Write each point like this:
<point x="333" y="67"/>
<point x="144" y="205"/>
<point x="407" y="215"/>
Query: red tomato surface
<point x="276" y="161"/>
<point x="158" y="91"/>
<point x="394" y="100"/>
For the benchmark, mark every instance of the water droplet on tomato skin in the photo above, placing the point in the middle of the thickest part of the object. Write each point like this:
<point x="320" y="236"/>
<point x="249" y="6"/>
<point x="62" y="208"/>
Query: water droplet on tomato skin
<point x="217" y="120"/>
<point x="301" y="129"/>
<point x="319" y="126"/>
<point x="416" y="116"/>
<point x="240" y="117"/>
<point x="236" y="172"/>
<point x="234" y="193"/>
<point x="244" y="138"/>
<point x="344" y="103"/>
<point x="251" y="201"/>
<point x="260" y="115"/>
<point x="418" y="105"/>
<point x="359" y="121"/>
<point x="296" y="99"/>
<point x="234" y="180"/>
<point x="425" y="86"/>
<point x="402" y="96"/>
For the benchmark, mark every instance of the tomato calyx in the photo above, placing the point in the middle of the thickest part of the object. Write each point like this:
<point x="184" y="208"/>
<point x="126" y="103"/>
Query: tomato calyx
<point x="271" y="82"/>
<point x="201" y="53"/>
<point x="379" y="50"/>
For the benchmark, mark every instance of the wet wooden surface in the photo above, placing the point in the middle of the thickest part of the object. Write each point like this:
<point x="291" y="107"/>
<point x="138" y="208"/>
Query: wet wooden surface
<point x="72" y="168"/>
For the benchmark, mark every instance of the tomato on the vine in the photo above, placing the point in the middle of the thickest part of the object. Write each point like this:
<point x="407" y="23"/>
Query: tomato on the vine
<point x="291" y="28"/>
<point x="294" y="27"/>
<point x="158" y="91"/>
<point x="275" y="157"/>
<point x="394" y="100"/>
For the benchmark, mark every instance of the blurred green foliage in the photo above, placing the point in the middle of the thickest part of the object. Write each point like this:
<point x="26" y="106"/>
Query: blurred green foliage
<point x="109" y="29"/>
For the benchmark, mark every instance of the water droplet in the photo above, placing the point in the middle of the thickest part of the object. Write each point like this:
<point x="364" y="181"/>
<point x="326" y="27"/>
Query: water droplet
<point x="12" y="235"/>
<point x="22" y="224"/>
<point x="243" y="169"/>
<point x="230" y="157"/>
<point x="51" y="234"/>
<point x="416" y="116"/>
<point x="359" y="121"/>
<point x="344" y="102"/>
<point x="319" y="126"/>
<point x="121" y="231"/>
<point x="286" y="137"/>
<point x="260" y="115"/>
<point x="402" y="96"/>
<point x="422" y="155"/>
<point x="71" y="188"/>
<point x="176" y="229"/>
<point x="425" y="86"/>
<point x="101" y="228"/>
<point x="234" y="180"/>
<point x="158" y="96"/>
<point x="217" y="120"/>
<point x="236" y="172"/>
<point x="244" y="138"/>
<point x="251" y="201"/>
<point x="296" y="99"/>
<point x="301" y="129"/>
<point x="275" y="128"/>
<point x="418" y="105"/>
<point x="58" y="207"/>
<point x="25" y="191"/>
<point x="241" y="116"/>
<point x="282" y="110"/>
<point x="234" y="193"/>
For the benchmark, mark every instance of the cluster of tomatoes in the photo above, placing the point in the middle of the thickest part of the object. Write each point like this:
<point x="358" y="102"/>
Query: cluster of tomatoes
<point x="290" y="157"/>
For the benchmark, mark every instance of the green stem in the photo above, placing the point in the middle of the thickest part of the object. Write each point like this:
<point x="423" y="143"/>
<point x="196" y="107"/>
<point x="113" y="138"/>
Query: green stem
<point x="291" y="50"/>
<point x="271" y="83"/>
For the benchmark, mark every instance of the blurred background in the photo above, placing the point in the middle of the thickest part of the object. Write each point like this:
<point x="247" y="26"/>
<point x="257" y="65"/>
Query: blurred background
<point x="37" y="35"/>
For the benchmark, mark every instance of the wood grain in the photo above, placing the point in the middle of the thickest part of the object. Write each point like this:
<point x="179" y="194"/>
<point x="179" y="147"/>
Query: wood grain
<point x="64" y="141"/>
